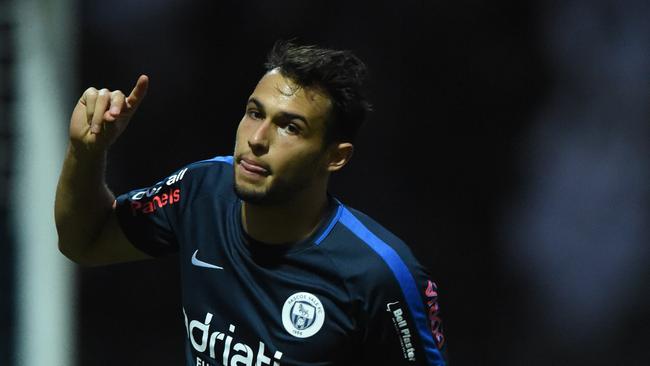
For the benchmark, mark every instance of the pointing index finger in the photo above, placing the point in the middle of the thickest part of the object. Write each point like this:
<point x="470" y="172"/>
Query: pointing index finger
<point x="138" y="92"/>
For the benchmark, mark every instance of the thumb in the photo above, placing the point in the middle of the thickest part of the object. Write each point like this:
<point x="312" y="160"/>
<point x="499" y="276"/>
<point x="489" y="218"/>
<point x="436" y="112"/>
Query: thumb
<point x="138" y="93"/>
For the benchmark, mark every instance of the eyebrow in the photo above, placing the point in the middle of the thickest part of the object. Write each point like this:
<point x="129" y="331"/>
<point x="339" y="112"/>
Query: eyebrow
<point x="284" y="114"/>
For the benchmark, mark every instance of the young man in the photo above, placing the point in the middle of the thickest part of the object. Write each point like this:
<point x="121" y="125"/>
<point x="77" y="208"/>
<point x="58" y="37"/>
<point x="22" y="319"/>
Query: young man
<point x="274" y="270"/>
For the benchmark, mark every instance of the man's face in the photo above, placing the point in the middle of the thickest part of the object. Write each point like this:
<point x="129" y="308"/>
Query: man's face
<point x="279" y="149"/>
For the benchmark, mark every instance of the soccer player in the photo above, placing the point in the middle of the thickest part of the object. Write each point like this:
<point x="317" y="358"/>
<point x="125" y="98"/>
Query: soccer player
<point x="275" y="271"/>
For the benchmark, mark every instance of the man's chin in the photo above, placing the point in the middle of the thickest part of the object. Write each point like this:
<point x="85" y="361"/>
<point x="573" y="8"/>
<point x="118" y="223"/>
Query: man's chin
<point x="251" y="196"/>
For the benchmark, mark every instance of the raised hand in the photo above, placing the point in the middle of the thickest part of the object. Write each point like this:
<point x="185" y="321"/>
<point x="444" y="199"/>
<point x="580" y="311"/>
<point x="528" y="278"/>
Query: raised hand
<point x="100" y="116"/>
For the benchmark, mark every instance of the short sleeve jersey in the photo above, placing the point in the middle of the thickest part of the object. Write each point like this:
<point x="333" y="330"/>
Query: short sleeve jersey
<point x="351" y="294"/>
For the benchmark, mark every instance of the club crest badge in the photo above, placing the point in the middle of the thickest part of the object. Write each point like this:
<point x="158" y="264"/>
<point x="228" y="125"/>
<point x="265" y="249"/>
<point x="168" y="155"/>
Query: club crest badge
<point x="303" y="315"/>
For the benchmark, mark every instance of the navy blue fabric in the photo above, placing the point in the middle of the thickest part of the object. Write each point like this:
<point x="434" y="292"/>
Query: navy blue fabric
<point x="351" y="294"/>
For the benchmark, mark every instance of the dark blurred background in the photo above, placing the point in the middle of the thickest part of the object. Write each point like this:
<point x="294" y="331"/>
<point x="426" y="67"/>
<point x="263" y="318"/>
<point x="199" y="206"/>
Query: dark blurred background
<point x="509" y="147"/>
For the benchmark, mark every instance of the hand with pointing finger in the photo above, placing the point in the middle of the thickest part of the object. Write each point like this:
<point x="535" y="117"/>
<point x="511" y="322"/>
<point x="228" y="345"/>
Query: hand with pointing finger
<point x="100" y="116"/>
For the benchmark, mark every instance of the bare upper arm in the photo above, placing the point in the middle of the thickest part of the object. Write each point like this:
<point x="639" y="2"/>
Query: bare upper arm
<point x="111" y="246"/>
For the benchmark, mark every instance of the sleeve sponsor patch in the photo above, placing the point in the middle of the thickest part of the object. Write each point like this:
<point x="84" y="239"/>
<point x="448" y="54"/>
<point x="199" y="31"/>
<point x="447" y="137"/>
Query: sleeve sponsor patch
<point x="435" y="323"/>
<point x="402" y="329"/>
<point x="168" y="197"/>
<point x="162" y="194"/>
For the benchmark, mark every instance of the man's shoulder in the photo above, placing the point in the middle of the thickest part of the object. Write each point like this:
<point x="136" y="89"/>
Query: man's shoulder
<point x="371" y="234"/>
<point x="216" y="164"/>
<point x="205" y="172"/>
<point x="362" y="247"/>
<point x="213" y="176"/>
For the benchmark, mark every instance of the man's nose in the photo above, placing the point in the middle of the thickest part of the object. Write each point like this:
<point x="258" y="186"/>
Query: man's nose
<point x="259" y="139"/>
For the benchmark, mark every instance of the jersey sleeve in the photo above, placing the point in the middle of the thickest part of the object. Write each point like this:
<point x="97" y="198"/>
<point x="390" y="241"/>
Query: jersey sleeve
<point x="404" y="327"/>
<point x="148" y="215"/>
<point x="399" y="319"/>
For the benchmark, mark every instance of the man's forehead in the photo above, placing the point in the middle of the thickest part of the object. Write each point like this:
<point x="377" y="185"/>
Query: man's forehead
<point x="284" y="89"/>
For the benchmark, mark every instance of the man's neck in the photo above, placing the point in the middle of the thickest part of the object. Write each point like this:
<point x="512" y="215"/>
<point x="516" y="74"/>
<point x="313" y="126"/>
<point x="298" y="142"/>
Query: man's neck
<point x="285" y="223"/>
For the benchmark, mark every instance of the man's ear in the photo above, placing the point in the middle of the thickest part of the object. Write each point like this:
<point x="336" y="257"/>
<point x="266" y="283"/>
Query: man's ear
<point x="339" y="155"/>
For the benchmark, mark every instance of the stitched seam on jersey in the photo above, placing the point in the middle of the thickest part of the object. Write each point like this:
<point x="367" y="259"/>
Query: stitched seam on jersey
<point x="404" y="278"/>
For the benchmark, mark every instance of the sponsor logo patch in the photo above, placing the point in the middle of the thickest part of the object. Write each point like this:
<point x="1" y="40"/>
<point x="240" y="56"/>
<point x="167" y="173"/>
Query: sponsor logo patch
<point x="435" y="324"/>
<point x="158" y="201"/>
<point x="402" y="328"/>
<point x="149" y="200"/>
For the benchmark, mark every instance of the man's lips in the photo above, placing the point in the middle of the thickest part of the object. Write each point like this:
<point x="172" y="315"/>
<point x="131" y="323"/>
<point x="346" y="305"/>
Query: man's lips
<point x="254" y="167"/>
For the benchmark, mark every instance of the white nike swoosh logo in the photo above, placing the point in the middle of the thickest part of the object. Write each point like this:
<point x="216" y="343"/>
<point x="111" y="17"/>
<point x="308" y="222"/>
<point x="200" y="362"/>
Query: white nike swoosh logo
<point x="200" y="263"/>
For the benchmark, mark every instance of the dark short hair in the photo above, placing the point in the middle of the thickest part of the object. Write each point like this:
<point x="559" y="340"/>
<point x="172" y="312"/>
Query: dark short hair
<point x="338" y="72"/>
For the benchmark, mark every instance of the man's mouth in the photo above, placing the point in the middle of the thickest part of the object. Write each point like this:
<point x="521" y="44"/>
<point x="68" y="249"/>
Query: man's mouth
<point x="254" y="167"/>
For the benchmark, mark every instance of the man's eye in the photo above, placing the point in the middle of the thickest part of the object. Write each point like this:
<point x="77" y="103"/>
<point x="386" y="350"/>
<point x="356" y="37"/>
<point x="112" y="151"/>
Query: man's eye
<point x="292" y="129"/>
<point x="255" y="114"/>
<point x="289" y="129"/>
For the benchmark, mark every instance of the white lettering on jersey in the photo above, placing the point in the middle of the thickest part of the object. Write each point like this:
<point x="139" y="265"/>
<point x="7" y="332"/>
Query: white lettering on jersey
<point x="402" y="329"/>
<point x="155" y="189"/>
<point x="242" y="354"/>
<point x="147" y="192"/>
<point x="176" y="177"/>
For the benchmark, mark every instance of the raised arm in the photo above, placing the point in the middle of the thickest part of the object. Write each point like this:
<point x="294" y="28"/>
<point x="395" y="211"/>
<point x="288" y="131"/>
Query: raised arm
<point x="84" y="208"/>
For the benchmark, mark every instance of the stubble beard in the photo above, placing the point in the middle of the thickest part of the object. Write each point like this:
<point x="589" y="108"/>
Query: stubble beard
<point x="281" y="191"/>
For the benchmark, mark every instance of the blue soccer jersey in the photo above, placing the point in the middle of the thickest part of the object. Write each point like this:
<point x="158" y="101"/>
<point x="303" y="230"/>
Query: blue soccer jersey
<point x="351" y="294"/>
